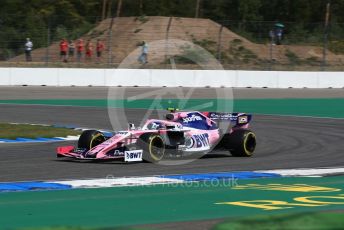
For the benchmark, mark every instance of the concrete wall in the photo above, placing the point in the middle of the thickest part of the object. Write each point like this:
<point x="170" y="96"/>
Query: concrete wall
<point x="169" y="78"/>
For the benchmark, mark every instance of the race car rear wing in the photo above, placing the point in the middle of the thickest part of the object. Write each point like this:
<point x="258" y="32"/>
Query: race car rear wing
<point x="238" y="119"/>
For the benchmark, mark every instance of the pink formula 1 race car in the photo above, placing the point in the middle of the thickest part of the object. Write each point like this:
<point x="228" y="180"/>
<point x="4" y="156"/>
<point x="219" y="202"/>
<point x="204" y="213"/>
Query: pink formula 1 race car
<point x="181" y="134"/>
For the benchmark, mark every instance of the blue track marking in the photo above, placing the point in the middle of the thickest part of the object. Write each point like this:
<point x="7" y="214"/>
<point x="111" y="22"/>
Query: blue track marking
<point x="222" y="176"/>
<point x="8" y="140"/>
<point x="49" y="139"/>
<point x="27" y="140"/>
<point x="21" y="139"/>
<point x="28" y="186"/>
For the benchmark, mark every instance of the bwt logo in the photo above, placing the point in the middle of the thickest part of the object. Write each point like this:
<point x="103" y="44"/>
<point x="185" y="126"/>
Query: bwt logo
<point x="134" y="155"/>
<point x="202" y="140"/>
<point x="192" y="118"/>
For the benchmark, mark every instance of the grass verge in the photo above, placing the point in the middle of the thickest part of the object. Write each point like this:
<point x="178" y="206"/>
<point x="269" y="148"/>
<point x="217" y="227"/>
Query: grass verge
<point x="13" y="131"/>
<point x="322" y="220"/>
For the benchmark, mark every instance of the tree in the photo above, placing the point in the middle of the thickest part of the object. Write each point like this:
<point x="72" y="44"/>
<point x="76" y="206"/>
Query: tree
<point x="119" y="7"/>
<point x="72" y="18"/>
<point x="198" y="2"/>
<point x="104" y="9"/>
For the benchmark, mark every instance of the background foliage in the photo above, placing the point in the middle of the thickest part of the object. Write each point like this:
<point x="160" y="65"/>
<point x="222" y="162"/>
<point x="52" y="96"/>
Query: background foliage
<point x="49" y="20"/>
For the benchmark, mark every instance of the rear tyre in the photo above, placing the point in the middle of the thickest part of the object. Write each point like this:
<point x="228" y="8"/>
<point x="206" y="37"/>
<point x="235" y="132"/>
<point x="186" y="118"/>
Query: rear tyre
<point x="153" y="146"/>
<point x="90" y="139"/>
<point x="241" y="142"/>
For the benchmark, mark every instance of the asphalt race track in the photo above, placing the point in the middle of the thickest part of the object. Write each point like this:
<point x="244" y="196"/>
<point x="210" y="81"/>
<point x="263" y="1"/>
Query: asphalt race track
<point x="283" y="142"/>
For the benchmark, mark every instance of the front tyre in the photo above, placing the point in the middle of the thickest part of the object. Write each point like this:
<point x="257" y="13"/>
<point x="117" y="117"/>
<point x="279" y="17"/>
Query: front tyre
<point x="90" y="138"/>
<point x="153" y="146"/>
<point x="241" y="142"/>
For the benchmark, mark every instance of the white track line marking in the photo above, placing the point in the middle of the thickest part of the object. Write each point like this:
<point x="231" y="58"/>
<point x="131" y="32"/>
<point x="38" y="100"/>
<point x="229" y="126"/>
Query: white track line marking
<point x="118" y="182"/>
<point x="305" y="172"/>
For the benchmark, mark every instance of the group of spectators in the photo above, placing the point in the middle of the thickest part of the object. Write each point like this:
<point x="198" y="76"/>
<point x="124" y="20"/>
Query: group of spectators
<point x="69" y="49"/>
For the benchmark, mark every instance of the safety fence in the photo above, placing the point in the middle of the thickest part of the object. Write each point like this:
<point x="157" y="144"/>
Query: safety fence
<point x="235" y="45"/>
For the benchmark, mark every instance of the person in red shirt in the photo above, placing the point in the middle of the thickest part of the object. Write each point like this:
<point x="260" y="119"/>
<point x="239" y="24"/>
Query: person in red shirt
<point x="89" y="50"/>
<point x="63" y="50"/>
<point x="100" y="48"/>
<point x="79" y="49"/>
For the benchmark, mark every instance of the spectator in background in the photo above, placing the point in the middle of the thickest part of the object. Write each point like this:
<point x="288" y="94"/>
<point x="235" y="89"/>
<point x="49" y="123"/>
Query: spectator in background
<point x="100" y="48"/>
<point x="272" y="37"/>
<point x="71" y="50"/>
<point x="278" y="33"/>
<point x="143" y="58"/>
<point x="80" y="49"/>
<point x="28" y="49"/>
<point x="63" y="50"/>
<point x="89" y="50"/>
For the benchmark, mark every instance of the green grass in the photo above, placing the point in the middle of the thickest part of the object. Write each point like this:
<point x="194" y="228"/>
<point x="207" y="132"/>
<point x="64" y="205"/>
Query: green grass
<point x="12" y="131"/>
<point x="82" y="228"/>
<point x="295" y="221"/>
<point x="316" y="107"/>
<point x="325" y="220"/>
